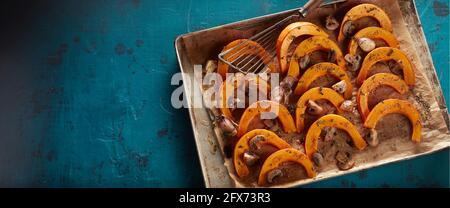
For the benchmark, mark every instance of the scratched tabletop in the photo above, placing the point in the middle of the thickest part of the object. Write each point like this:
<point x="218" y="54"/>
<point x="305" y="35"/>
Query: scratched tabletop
<point x="85" y="93"/>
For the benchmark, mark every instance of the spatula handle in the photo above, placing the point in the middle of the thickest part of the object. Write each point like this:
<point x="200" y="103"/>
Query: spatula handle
<point x="309" y="6"/>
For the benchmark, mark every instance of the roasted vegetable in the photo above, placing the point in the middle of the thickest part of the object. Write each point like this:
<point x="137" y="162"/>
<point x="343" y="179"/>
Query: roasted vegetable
<point x="317" y="93"/>
<point x="386" y="54"/>
<point x="360" y="11"/>
<point x="310" y="45"/>
<point x="282" y="156"/>
<point x="390" y="106"/>
<point x="331" y="120"/>
<point x="289" y="34"/>
<point x="374" y="33"/>
<point x="228" y="88"/>
<point x="380" y="79"/>
<point x="243" y="147"/>
<point x="266" y="106"/>
<point x="319" y="70"/>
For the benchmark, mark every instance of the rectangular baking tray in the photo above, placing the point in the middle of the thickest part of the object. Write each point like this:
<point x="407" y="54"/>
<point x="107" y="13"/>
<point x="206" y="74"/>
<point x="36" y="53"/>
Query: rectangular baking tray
<point x="197" y="47"/>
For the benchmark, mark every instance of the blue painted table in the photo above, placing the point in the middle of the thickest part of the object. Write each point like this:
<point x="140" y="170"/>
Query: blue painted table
<point x="85" y="94"/>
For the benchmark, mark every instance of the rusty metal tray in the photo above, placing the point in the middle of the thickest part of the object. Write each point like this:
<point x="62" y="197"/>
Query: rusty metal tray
<point x="197" y="47"/>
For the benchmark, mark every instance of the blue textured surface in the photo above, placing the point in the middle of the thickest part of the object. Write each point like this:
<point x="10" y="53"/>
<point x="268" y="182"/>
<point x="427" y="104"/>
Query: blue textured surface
<point x="85" y="91"/>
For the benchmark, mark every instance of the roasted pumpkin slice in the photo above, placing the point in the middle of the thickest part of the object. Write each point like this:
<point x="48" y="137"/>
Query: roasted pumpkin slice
<point x="374" y="33"/>
<point x="310" y="45"/>
<point x="266" y="106"/>
<point x="390" y="106"/>
<point x="242" y="146"/>
<point x="289" y="34"/>
<point x="227" y="90"/>
<point x="381" y="79"/>
<point x="331" y="120"/>
<point x="314" y="94"/>
<point x="365" y="10"/>
<point x="279" y="157"/>
<point x="386" y="54"/>
<point x="241" y="48"/>
<point x="322" y="69"/>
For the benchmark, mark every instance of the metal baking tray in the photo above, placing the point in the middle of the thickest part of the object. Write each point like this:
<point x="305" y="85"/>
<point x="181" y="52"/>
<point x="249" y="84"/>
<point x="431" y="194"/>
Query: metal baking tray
<point x="198" y="47"/>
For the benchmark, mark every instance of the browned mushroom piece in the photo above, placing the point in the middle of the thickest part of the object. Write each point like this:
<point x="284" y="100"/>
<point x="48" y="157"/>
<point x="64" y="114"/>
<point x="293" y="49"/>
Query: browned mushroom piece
<point x="258" y="148"/>
<point x="349" y="29"/>
<point x="274" y="174"/>
<point x="366" y="44"/>
<point x="340" y="87"/>
<point x="304" y="61"/>
<point x="331" y="23"/>
<point x="314" y="108"/>
<point x="347" y="106"/>
<point x="353" y="62"/>
<point x="395" y="67"/>
<point x="331" y="56"/>
<point x="226" y="125"/>
<point x="372" y="138"/>
<point x="344" y="160"/>
<point x="337" y="150"/>
<point x="318" y="159"/>
<point x="250" y="158"/>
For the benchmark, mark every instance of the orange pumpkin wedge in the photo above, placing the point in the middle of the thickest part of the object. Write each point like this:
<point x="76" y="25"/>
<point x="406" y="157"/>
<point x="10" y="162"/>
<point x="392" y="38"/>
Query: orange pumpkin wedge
<point x="374" y="33"/>
<point x="242" y="146"/>
<point x="390" y="106"/>
<point x="366" y="10"/>
<point x="289" y="34"/>
<point x="266" y="106"/>
<point x="371" y="84"/>
<point x="242" y="48"/>
<point x="331" y="120"/>
<point x="319" y="70"/>
<point x="314" y="94"/>
<point x="386" y="54"/>
<point x="279" y="157"/>
<point x="310" y="45"/>
<point x="227" y="90"/>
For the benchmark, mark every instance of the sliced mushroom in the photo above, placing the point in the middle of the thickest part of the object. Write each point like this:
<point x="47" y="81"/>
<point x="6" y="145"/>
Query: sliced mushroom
<point x="314" y="108"/>
<point x="344" y="160"/>
<point x="288" y="82"/>
<point x="348" y="29"/>
<point x="340" y="87"/>
<point x="347" y="106"/>
<point x="255" y="142"/>
<point x="271" y="175"/>
<point x="366" y="44"/>
<point x="318" y="159"/>
<point x="281" y="95"/>
<point x="353" y="62"/>
<point x="330" y="132"/>
<point x="304" y="61"/>
<point x="345" y="166"/>
<point x="395" y="67"/>
<point x="226" y="125"/>
<point x="250" y="158"/>
<point x="332" y="56"/>
<point x="331" y="23"/>
<point x="372" y="138"/>
<point x="271" y="124"/>
<point x="211" y="66"/>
